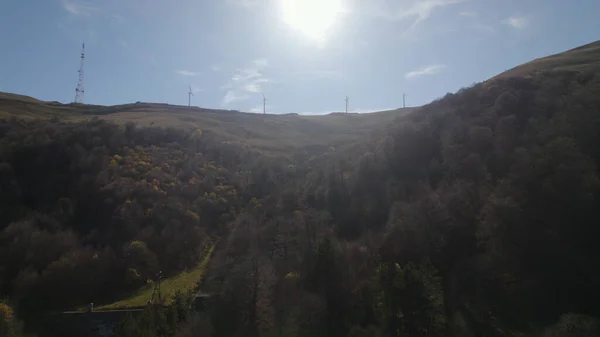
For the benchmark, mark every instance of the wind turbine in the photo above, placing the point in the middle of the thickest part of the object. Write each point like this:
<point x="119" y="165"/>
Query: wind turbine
<point x="264" y="103"/>
<point x="347" y="103"/>
<point x="190" y="94"/>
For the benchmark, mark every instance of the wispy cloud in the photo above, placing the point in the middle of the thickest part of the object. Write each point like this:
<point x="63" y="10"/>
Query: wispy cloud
<point x="262" y="62"/>
<point x="467" y="13"/>
<point x="245" y="81"/>
<point x="429" y="70"/>
<point x="416" y="10"/>
<point x="517" y="22"/>
<point x="188" y="73"/>
<point x="88" y="9"/>
<point x="78" y="8"/>
<point x="215" y="68"/>
<point x="253" y="87"/>
<point x="232" y="96"/>
<point x="123" y="43"/>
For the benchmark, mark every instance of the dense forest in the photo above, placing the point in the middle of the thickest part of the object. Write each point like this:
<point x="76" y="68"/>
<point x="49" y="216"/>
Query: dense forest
<point x="92" y="210"/>
<point x="476" y="215"/>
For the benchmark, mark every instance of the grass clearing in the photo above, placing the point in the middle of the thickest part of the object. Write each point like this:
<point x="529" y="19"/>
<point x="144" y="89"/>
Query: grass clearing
<point x="185" y="281"/>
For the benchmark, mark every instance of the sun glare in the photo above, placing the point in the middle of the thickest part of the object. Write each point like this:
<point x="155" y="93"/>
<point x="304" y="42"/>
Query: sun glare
<point x="311" y="17"/>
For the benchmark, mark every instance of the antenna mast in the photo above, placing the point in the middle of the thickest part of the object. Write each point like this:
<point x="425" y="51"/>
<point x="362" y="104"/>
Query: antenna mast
<point x="347" y="103"/>
<point x="79" y="91"/>
<point x="190" y="94"/>
<point x="264" y="103"/>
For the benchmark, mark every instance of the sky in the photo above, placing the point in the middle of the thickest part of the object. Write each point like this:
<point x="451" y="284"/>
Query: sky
<point x="305" y="56"/>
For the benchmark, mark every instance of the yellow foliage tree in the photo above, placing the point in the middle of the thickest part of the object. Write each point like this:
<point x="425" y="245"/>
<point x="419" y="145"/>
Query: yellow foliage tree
<point x="9" y="325"/>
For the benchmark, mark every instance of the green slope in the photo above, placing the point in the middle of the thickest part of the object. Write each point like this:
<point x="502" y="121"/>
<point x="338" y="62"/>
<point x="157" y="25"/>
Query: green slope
<point x="188" y="280"/>
<point x="277" y="134"/>
<point x="583" y="58"/>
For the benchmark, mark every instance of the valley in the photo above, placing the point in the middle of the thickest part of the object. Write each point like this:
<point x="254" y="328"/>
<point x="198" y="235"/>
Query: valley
<point x="474" y="215"/>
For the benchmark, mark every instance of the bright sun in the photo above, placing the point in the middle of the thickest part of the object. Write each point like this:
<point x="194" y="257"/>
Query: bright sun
<point x="311" y="17"/>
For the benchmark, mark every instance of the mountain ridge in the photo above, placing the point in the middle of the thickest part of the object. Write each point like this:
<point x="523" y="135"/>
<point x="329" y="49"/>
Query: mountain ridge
<point x="581" y="58"/>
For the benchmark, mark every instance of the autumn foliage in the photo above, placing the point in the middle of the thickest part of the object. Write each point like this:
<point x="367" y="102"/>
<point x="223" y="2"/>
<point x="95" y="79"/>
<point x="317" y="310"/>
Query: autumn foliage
<point x="476" y="215"/>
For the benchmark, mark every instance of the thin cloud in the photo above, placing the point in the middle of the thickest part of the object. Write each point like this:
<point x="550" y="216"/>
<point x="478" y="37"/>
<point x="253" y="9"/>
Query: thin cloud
<point x="467" y="13"/>
<point x="188" y="73"/>
<point x="517" y="22"/>
<point x="123" y="43"/>
<point x="417" y="10"/>
<point x="232" y="96"/>
<point x="246" y="81"/>
<point x="253" y="87"/>
<point x="86" y="8"/>
<point x="262" y="62"/>
<point x="215" y="68"/>
<point x="78" y="8"/>
<point x="429" y="70"/>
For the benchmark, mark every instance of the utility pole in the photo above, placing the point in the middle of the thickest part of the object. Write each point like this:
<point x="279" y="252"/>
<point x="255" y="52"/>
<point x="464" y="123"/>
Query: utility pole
<point x="347" y="103"/>
<point x="190" y="94"/>
<point x="403" y="100"/>
<point x="79" y="91"/>
<point x="264" y="103"/>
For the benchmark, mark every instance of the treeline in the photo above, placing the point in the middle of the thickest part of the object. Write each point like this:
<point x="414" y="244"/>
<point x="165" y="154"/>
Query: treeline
<point x="90" y="211"/>
<point x="476" y="216"/>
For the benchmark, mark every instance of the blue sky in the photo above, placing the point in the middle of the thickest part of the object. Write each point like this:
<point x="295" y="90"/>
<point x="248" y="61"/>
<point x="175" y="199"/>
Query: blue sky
<point x="231" y="50"/>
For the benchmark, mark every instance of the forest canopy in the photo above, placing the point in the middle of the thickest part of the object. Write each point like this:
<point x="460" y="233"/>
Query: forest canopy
<point x="475" y="215"/>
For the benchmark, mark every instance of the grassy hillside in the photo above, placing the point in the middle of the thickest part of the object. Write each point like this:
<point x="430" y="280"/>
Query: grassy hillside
<point x="581" y="59"/>
<point x="274" y="134"/>
<point x="188" y="280"/>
